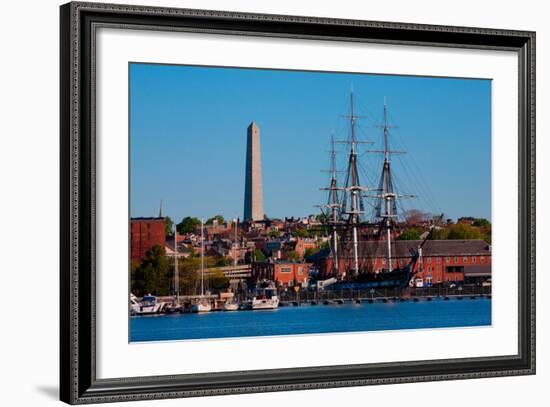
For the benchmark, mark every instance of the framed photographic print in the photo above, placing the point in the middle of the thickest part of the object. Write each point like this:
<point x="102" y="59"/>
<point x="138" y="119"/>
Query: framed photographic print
<point x="256" y="203"/>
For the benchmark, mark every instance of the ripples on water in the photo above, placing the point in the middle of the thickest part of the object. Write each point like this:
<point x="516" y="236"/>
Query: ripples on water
<point x="309" y="319"/>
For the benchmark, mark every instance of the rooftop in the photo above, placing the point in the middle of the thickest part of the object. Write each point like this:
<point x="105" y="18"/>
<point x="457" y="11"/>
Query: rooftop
<point x="404" y="248"/>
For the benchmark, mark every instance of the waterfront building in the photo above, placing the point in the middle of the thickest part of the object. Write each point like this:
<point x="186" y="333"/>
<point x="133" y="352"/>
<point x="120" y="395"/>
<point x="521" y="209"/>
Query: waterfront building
<point x="283" y="273"/>
<point x="144" y="234"/>
<point x="253" y="195"/>
<point x="443" y="262"/>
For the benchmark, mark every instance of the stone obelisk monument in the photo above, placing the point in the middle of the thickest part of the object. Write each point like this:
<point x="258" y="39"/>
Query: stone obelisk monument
<point x="253" y="192"/>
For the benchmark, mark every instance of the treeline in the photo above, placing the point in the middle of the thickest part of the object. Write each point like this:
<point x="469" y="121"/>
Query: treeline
<point x="155" y="274"/>
<point x="189" y="224"/>
<point x="479" y="229"/>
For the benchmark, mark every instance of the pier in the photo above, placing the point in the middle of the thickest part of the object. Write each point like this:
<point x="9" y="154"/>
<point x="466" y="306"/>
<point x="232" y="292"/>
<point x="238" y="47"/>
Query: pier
<point x="340" y="297"/>
<point x="413" y="294"/>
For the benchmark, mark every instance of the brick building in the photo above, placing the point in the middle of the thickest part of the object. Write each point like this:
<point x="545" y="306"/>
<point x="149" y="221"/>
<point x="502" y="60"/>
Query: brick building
<point x="283" y="273"/>
<point x="144" y="234"/>
<point x="302" y="244"/>
<point x="443" y="262"/>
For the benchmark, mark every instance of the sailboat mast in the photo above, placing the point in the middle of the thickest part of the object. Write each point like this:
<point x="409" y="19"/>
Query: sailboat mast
<point x="176" y="274"/>
<point x="236" y="245"/>
<point x="202" y="258"/>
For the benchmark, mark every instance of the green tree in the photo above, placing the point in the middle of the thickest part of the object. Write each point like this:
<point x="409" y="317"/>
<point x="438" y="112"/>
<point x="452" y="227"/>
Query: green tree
<point x="482" y="223"/>
<point x="274" y="233"/>
<point x="219" y="218"/>
<point x="292" y="255"/>
<point x="153" y="275"/>
<point x="188" y="225"/>
<point x="301" y="232"/>
<point x="168" y="226"/>
<point x="439" y="234"/>
<point x="259" y="255"/>
<point x="310" y="251"/>
<point x="217" y="280"/>
<point x="488" y="236"/>
<point x="189" y="275"/>
<point x="461" y="231"/>
<point x="410" y="234"/>
<point x="223" y="261"/>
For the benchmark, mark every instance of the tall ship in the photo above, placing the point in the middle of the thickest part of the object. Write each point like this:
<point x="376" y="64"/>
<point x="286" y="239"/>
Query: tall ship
<point x="356" y="239"/>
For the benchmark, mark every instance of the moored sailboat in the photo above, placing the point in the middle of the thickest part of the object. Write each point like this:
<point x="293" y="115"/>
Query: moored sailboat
<point x="175" y="306"/>
<point x="202" y="304"/>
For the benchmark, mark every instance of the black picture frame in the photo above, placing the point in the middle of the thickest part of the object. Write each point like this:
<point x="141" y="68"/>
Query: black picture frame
<point x="78" y="382"/>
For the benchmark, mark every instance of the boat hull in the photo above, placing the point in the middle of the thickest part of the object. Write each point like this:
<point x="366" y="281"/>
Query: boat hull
<point x="271" y="303"/>
<point x="148" y="310"/>
<point x="398" y="278"/>
<point x="201" y="308"/>
<point x="231" y="307"/>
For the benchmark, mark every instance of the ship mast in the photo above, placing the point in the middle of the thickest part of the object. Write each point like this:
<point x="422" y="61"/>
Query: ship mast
<point x="386" y="207"/>
<point x="355" y="208"/>
<point x="333" y="204"/>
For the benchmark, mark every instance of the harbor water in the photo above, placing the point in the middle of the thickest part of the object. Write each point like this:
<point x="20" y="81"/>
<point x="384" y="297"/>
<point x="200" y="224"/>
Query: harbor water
<point x="314" y="319"/>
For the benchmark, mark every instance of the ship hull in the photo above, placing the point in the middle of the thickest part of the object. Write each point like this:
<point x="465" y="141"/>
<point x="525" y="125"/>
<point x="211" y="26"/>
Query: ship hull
<point x="398" y="278"/>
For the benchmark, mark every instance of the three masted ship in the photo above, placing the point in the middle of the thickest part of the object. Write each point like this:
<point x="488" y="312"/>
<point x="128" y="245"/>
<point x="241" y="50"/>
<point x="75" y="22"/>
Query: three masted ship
<point x="351" y="234"/>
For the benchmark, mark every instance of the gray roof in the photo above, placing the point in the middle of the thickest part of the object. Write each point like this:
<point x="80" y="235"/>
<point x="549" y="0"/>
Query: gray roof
<point x="404" y="248"/>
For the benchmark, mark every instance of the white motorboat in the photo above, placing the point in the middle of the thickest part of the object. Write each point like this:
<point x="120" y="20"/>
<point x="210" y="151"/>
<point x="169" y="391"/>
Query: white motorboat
<point x="147" y="306"/>
<point x="265" y="298"/>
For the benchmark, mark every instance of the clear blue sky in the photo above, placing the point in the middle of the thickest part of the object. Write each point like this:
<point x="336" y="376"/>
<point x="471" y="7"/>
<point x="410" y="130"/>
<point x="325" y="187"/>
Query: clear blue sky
<point x="188" y="138"/>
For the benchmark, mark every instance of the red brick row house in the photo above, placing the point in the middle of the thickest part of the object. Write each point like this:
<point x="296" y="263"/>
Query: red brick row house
<point x="283" y="273"/>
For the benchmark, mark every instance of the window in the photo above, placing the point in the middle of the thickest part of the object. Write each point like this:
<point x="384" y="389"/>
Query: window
<point x="456" y="259"/>
<point x="465" y="260"/>
<point x="439" y="259"/>
<point x="286" y="269"/>
<point x="300" y="270"/>
<point x="429" y="259"/>
<point x="482" y="259"/>
<point x="474" y="259"/>
<point x="448" y="259"/>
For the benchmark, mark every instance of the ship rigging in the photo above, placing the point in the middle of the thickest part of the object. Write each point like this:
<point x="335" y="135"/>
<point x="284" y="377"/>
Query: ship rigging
<point x="344" y="214"/>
